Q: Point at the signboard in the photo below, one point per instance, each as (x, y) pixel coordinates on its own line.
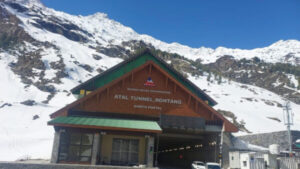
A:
(147, 102)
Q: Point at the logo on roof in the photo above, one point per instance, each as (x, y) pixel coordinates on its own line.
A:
(149, 82)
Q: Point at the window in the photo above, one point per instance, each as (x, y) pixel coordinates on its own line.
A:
(245, 163)
(76, 147)
(232, 158)
(125, 151)
(213, 167)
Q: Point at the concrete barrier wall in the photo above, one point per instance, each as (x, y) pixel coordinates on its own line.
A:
(8, 165)
(289, 163)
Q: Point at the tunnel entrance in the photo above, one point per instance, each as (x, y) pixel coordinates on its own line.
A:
(179, 150)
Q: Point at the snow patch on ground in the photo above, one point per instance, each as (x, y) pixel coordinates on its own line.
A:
(21, 136)
(249, 103)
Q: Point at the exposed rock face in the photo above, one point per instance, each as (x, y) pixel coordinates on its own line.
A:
(233, 118)
(35, 117)
(273, 77)
(5, 104)
(25, 63)
(28, 102)
(11, 34)
(60, 67)
(113, 51)
(67, 30)
(86, 67)
(29, 64)
(266, 139)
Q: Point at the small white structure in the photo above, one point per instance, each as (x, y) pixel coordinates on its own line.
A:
(252, 160)
(274, 149)
(234, 160)
(248, 156)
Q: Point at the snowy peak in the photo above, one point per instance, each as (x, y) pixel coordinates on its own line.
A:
(291, 44)
(27, 3)
(101, 29)
(97, 15)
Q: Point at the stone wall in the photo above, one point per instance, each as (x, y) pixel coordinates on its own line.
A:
(7, 165)
(266, 139)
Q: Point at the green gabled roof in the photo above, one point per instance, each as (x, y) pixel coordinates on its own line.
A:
(93, 122)
(134, 62)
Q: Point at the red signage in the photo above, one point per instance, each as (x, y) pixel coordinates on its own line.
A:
(149, 82)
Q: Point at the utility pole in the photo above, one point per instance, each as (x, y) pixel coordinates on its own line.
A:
(288, 121)
(221, 145)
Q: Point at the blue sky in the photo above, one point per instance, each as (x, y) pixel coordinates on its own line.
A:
(243, 24)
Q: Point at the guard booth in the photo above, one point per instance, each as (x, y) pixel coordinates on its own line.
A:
(139, 112)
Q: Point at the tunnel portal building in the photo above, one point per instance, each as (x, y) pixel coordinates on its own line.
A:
(139, 112)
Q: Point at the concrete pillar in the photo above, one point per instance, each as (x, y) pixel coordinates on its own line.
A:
(226, 146)
(149, 151)
(55, 147)
(95, 149)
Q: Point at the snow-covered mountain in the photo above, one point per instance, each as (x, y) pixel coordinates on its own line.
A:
(98, 28)
(44, 53)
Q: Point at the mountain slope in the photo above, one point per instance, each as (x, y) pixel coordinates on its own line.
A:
(44, 53)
